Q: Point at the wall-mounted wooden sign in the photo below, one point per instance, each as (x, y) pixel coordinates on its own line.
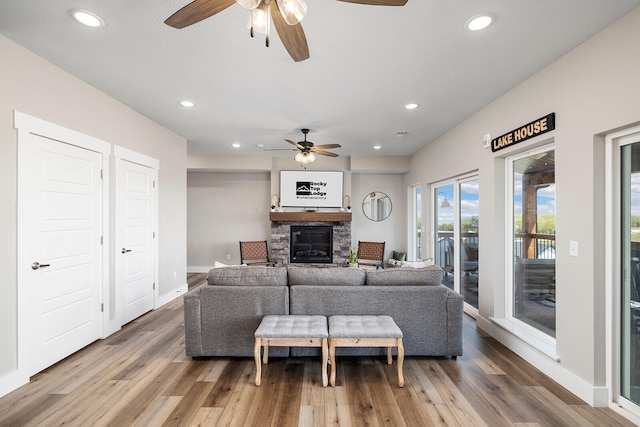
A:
(530, 130)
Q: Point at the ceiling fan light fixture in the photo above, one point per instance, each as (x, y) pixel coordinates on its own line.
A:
(292, 10)
(260, 19)
(304, 157)
(248, 4)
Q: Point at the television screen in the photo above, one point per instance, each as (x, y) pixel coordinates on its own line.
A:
(312, 189)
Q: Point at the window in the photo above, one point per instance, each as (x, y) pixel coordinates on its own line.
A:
(533, 243)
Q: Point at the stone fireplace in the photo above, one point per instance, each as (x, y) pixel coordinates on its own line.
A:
(281, 240)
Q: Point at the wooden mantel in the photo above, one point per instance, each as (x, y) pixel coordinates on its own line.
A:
(310, 216)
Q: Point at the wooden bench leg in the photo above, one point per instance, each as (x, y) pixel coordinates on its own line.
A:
(400, 362)
(325, 355)
(389, 356)
(332, 358)
(256, 356)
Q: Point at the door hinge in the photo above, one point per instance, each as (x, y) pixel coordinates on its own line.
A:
(154, 286)
(154, 234)
(101, 174)
(101, 240)
(154, 184)
(101, 307)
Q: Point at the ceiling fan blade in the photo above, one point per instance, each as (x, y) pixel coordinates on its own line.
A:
(328, 146)
(378, 2)
(323, 153)
(298, 146)
(292, 36)
(196, 11)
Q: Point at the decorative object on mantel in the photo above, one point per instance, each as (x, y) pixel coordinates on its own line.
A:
(346, 203)
(275, 202)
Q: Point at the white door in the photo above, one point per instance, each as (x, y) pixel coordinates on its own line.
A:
(60, 212)
(136, 249)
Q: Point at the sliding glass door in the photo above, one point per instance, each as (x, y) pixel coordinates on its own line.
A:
(630, 271)
(456, 242)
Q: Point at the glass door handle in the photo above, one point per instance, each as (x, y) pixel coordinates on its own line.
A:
(635, 304)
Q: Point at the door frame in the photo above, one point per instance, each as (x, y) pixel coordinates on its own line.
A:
(123, 154)
(613, 327)
(27, 125)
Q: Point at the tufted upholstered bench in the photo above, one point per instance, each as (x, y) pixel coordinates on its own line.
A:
(291, 331)
(365, 331)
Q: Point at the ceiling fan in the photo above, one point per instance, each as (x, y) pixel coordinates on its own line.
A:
(308, 150)
(286, 15)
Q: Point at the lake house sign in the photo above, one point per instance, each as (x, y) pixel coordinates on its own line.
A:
(530, 130)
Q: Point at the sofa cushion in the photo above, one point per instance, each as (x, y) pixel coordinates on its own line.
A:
(257, 275)
(431, 275)
(330, 276)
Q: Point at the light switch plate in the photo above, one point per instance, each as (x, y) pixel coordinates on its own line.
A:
(573, 247)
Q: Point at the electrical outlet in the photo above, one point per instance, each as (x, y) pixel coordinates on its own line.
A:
(228, 257)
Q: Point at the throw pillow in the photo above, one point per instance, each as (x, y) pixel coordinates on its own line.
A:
(399, 256)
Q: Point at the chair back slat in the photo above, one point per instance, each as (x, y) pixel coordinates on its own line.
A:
(371, 253)
(254, 252)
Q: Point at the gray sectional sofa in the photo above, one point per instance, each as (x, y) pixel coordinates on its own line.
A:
(222, 316)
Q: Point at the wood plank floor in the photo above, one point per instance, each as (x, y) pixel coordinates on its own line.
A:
(140, 376)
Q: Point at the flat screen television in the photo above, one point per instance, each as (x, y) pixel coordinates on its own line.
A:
(311, 189)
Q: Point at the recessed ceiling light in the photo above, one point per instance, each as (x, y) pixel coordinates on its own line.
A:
(377, 147)
(235, 145)
(87, 18)
(479, 22)
(411, 106)
(186, 103)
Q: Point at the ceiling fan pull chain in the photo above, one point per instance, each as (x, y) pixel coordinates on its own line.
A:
(267, 40)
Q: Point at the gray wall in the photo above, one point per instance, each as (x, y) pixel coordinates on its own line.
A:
(222, 209)
(226, 207)
(593, 90)
(33, 86)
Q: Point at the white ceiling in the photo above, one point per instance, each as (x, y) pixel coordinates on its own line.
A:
(366, 63)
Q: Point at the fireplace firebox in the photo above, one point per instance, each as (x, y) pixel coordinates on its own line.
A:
(311, 244)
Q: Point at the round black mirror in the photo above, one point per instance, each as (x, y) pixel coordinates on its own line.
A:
(376, 206)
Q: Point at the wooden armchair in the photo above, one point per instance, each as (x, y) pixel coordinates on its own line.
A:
(371, 253)
(255, 253)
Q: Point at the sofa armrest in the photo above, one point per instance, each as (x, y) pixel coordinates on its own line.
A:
(193, 324)
(455, 311)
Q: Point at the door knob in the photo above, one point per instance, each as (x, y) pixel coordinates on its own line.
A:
(124, 251)
(36, 265)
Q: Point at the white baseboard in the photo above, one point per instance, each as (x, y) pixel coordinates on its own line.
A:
(11, 382)
(593, 395)
(168, 297)
(198, 269)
